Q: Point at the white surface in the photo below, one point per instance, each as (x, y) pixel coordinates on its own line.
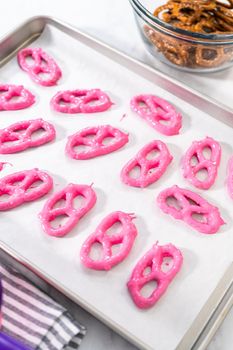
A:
(105, 24)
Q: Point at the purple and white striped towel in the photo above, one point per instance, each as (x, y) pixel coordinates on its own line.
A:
(34, 318)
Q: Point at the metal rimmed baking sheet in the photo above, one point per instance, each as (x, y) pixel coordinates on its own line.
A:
(86, 63)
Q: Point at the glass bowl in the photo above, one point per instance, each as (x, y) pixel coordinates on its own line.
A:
(182, 49)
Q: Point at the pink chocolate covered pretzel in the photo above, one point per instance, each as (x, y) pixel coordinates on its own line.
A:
(9, 92)
(18, 137)
(95, 144)
(150, 169)
(158, 113)
(125, 238)
(230, 177)
(186, 204)
(50, 212)
(17, 186)
(43, 70)
(153, 261)
(210, 164)
(81, 101)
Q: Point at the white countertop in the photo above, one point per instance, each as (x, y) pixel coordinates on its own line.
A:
(113, 22)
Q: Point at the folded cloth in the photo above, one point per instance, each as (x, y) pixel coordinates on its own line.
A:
(34, 318)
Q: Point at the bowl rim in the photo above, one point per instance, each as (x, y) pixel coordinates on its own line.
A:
(136, 4)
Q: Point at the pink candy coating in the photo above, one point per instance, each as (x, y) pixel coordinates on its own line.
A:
(81, 101)
(196, 152)
(155, 110)
(95, 144)
(9, 91)
(153, 260)
(2, 165)
(125, 237)
(43, 70)
(189, 204)
(18, 137)
(16, 186)
(230, 177)
(150, 169)
(69, 193)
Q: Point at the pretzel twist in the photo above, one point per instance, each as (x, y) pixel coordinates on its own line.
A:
(43, 70)
(198, 16)
(153, 261)
(17, 186)
(9, 91)
(188, 205)
(150, 169)
(196, 152)
(125, 238)
(95, 144)
(50, 212)
(154, 111)
(81, 101)
(18, 137)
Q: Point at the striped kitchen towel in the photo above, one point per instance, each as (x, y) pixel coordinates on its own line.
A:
(34, 318)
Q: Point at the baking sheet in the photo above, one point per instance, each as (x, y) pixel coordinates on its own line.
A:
(104, 293)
